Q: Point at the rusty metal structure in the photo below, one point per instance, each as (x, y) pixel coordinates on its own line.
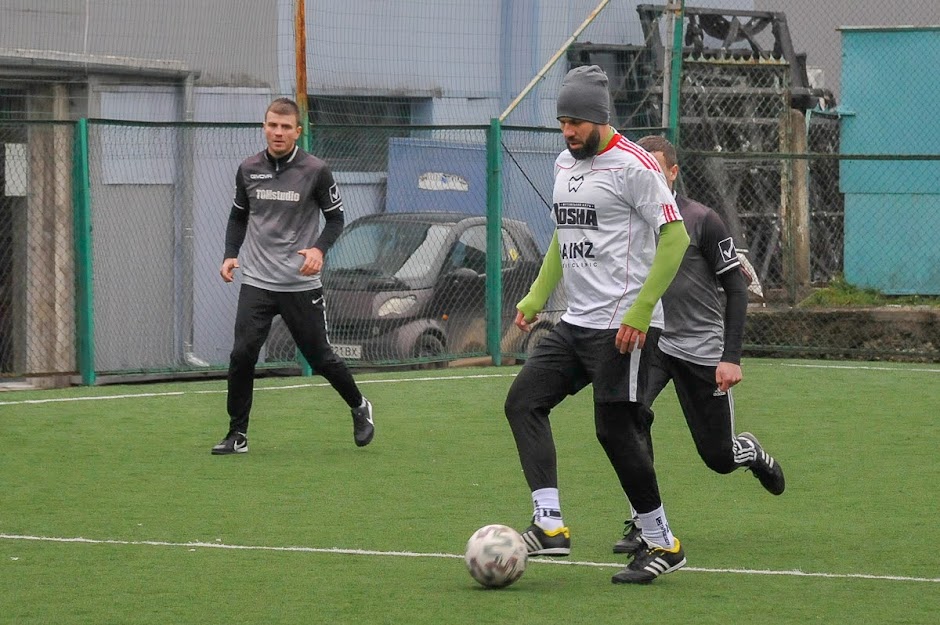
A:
(742, 102)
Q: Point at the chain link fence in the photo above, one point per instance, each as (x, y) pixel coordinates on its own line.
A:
(111, 233)
(407, 283)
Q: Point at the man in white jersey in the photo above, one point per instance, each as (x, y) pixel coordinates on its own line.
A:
(700, 346)
(610, 200)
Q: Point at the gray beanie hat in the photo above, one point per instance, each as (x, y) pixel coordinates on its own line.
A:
(584, 95)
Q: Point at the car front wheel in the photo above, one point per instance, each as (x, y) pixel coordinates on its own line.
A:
(429, 347)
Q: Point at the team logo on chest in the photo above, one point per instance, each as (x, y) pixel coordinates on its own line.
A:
(281, 196)
(574, 183)
(575, 215)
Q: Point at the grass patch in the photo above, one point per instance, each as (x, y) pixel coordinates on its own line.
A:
(307, 528)
(841, 294)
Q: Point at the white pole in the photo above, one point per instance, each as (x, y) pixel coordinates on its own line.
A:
(590, 18)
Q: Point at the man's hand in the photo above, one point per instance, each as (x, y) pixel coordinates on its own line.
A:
(524, 324)
(629, 338)
(727, 375)
(313, 261)
(229, 265)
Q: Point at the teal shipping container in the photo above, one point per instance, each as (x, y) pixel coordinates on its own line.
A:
(891, 106)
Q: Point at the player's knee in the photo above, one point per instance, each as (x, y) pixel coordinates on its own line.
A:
(515, 403)
(243, 356)
(722, 463)
(617, 425)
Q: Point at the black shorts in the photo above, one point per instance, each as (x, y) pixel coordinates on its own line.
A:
(588, 356)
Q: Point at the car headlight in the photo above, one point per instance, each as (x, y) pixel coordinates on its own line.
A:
(397, 305)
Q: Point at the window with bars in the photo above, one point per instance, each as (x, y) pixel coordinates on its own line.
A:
(352, 133)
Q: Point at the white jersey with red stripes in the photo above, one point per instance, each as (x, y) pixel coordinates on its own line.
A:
(608, 210)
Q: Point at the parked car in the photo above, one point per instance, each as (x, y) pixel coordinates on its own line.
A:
(411, 287)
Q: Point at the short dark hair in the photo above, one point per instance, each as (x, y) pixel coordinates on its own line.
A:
(284, 106)
(656, 143)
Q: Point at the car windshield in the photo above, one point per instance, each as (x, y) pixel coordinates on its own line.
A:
(405, 250)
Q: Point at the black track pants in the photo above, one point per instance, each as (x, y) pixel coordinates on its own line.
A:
(303, 313)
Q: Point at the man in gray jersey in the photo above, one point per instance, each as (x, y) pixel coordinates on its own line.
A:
(271, 236)
(699, 348)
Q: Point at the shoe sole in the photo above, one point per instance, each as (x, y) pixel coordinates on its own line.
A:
(555, 552)
(230, 452)
(626, 580)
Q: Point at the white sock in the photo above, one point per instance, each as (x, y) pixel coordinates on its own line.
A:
(547, 510)
(655, 528)
(363, 404)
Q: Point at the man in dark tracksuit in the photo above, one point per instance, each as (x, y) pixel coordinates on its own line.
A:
(272, 237)
(699, 349)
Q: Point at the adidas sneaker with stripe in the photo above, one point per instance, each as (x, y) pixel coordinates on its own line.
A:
(651, 562)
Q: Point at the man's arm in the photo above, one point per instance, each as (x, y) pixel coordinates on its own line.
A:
(235, 231)
(237, 226)
(728, 373)
(328, 199)
(234, 237)
(544, 284)
(735, 287)
(673, 241)
(717, 246)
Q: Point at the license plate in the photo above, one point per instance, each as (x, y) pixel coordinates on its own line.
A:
(352, 352)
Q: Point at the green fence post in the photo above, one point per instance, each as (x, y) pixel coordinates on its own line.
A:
(84, 309)
(494, 243)
(675, 75)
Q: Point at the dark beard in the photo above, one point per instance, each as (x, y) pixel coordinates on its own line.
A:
(591, 145)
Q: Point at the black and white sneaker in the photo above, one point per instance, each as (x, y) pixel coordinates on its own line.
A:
(540, 542)
(234, 443)
(363, 427)
(651, 562)
(761, 464)
(631, 542)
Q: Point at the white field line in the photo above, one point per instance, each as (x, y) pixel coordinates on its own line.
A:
(193, 546)
(287, 387)
(442, 378)
(857, 367)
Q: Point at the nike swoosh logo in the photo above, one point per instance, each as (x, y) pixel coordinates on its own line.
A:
(241, 445)
(316, 301)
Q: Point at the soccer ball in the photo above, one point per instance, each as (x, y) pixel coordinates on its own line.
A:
(496, 556)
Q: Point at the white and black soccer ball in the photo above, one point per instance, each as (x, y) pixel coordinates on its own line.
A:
(496, 556)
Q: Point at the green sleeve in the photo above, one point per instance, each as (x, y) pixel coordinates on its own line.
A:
(545, 282)
(673, 240)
